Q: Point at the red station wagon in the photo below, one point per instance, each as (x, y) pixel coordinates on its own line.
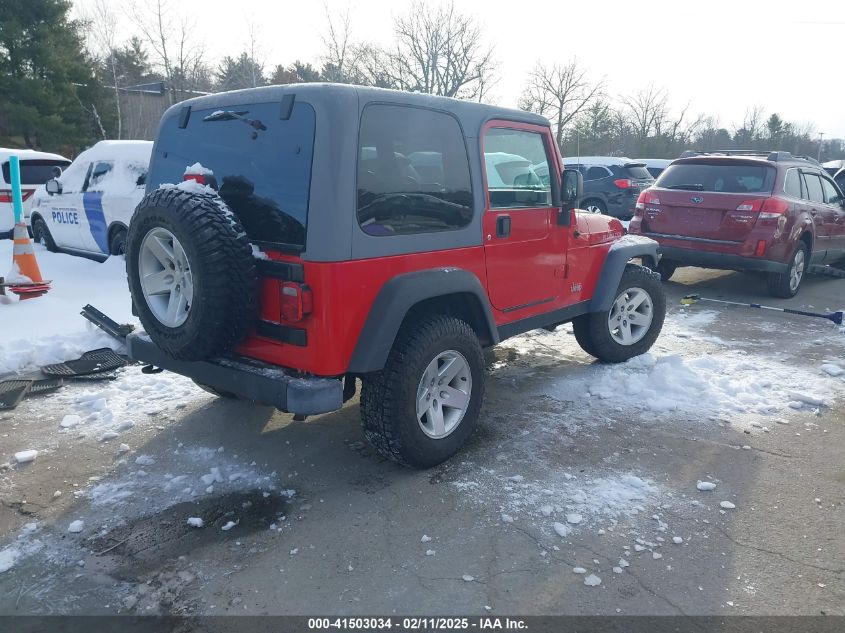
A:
(773, 212)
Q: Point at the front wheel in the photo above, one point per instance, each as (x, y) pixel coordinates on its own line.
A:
(594, 206)
(41, 235)
(421, 408)
(117, 243)
(786, 284)
(631, 325)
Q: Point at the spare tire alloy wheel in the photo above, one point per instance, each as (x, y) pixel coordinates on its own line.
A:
(630, 317)
(443, 394)
(165, 275)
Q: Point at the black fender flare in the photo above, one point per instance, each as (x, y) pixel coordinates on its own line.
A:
(620, 253)
(398, 296)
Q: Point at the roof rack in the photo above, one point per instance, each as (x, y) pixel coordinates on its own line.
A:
(774, 156)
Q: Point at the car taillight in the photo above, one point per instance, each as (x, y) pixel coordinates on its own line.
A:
(646, 197)
(6, 195)
(773, 208)
(625, 183)
(761, 248)
(297, 301)
(200, 178)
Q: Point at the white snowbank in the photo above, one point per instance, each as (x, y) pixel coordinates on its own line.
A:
(49, 329)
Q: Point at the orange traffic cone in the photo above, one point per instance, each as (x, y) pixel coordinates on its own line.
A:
(23, 259)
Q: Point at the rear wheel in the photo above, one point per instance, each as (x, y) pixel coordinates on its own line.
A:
(41, 235)
(631, 325)
(117, 243)
(594, 205)
(421, 408)
(786, 284)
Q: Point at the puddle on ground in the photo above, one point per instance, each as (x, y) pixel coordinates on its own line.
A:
(146, 543)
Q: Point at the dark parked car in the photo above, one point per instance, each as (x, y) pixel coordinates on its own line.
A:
(611, 184)
(772, 212)
(655, 166)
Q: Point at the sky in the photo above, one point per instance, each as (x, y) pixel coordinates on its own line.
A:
(722, 57)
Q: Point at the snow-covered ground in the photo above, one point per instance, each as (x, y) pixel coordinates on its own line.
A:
(49, 329)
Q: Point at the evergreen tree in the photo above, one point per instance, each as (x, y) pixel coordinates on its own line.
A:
(51, 97)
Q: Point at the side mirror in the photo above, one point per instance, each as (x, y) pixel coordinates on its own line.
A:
(571, 190)
(53, 186)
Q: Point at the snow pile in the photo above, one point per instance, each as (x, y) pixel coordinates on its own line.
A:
(728, 382)
(563, 501)
(49, 329)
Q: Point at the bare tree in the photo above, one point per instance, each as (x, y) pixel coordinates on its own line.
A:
(337, 42)
(256, 67)
(101, 21)
(648, 111)
(169, 37)
(440, 51)
(560, 92)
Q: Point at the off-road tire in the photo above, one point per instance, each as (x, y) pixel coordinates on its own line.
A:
(778, 283)
(117, 242)
(388, 397)
(666, 268)
(41, 234)
(593, 334)
(222, 265)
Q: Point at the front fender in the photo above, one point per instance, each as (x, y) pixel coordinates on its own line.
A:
(620, 253)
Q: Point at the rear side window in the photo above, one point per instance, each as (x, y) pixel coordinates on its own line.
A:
(596, 173)
(721, 178)
(413, 172)
(792, 183)
(814, 188)
(831, 195)
(515, 162)
(637, 172)
(259, 163)
(34, 172)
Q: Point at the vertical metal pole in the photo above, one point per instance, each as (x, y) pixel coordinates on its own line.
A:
(17, 198)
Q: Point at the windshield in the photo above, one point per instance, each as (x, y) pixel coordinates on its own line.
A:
(260, 164)
(727, 178)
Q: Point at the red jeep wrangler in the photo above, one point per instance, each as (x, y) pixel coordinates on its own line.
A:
(296, 238)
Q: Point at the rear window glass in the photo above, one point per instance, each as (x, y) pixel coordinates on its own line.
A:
(259, 163)
(413, 172)
(34, 172)
(792, 183)
(637, 172)
(735, 178)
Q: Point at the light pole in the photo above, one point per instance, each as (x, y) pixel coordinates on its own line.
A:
(821, 136)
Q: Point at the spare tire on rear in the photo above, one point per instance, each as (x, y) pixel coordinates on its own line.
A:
(191, 273)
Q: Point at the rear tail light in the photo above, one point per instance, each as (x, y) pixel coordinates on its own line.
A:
(625, 183)
(200, 178)
(773, 208)
(297, 301)
(6, 195)
(646, 197)
(761, 248)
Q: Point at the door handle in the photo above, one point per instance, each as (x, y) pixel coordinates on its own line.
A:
(503, 226)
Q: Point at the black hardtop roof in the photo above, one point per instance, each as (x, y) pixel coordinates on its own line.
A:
(470, 113)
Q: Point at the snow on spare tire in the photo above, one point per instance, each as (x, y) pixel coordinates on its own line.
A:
(191, 272)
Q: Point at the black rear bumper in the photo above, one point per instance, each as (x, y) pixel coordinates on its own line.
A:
(722, 261)
(259, 382)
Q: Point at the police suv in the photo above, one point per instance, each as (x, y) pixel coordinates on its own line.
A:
(86, 210)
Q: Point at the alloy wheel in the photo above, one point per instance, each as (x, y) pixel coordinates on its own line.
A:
(166, 278)
(443, 394)
(630, 317)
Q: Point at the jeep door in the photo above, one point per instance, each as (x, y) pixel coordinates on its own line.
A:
(523, 246)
